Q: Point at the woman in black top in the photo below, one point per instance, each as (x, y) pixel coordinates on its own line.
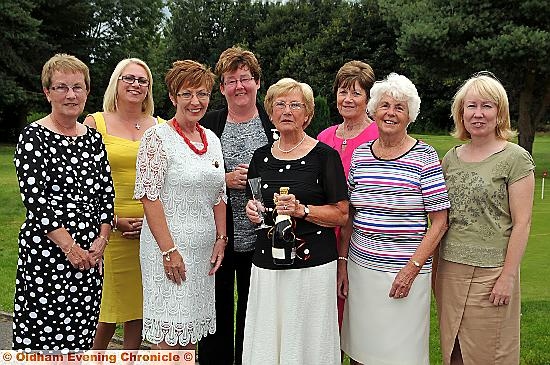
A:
(292, 316)
(242, 127)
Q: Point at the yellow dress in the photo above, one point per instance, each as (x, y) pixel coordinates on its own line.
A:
(122, 298)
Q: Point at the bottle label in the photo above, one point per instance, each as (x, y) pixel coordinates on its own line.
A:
(278, 253)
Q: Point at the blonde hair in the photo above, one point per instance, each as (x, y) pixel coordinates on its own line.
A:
(286, 86)
(188, 73)
(486, 86)
(234, 58)
(111, 93)
(63, 62)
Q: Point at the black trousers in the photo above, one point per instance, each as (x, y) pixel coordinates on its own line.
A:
(217, 349)
(243, 266)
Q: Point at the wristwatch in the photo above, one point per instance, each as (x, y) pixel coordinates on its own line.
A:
(306, 211)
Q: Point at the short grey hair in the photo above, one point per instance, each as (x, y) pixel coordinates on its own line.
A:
(398, 87)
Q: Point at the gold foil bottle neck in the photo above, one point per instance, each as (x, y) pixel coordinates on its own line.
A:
(283, 190)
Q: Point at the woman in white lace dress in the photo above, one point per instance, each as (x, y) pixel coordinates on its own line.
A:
(180, 180)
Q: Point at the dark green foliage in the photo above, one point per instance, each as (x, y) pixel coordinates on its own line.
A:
(447, 41)
(21, 43)
(321, 118)
(99, 32)
(436, 43)
(121, 29)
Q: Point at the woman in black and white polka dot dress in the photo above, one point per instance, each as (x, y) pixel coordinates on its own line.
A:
(66, 186)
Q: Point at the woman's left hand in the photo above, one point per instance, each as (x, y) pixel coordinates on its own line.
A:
(97, 248)
(217, 255)
(502, 291)
(287, 204)
(130, 227)
(403, 281)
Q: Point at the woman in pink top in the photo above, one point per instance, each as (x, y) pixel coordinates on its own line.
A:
(352, 86)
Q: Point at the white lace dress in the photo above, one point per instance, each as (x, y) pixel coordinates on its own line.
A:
(188, 185)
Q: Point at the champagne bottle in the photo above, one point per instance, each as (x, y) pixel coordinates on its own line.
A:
(283, 240)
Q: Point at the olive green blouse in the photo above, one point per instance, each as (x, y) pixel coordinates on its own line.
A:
(480, 222)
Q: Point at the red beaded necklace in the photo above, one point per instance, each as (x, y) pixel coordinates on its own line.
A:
(189, 143)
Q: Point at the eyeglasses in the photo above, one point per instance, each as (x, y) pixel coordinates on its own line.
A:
(243, 81)
(64, 89)
(294, 105)
(130, 79)
(187, 95)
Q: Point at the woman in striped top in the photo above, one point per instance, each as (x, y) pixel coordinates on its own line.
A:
(395, 184)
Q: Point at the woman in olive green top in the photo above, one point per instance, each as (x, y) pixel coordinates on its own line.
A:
(490, 183)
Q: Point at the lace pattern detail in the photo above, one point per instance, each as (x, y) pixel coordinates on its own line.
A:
(151, 166)
(188, 186)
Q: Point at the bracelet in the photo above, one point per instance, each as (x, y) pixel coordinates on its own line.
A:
(70, 249)
(416, 263)
(222, 237)
(104, 239)
(342, 258)
(166, 254)
(115, 223)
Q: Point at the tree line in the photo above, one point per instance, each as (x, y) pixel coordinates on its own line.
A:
(436, 43)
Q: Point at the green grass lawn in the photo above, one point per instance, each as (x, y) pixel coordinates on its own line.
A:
(535, 273)
(12, 214)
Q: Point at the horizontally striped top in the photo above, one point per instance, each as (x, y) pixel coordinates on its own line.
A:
(391, 200)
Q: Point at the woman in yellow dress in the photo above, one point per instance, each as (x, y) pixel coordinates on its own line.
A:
(128, 113)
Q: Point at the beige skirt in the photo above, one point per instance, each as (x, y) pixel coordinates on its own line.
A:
(487, 334)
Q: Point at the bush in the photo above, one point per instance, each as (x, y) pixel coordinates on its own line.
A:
(34, 116)
(321, 118)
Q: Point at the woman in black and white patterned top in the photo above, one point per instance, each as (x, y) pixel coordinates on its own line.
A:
(66, 186)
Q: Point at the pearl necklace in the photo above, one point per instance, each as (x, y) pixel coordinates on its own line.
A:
(293, 148)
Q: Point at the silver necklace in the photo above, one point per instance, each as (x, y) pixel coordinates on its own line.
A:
(350, 128)
(293, 148)
(70, 138)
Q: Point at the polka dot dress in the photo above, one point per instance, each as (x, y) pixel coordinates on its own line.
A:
(64, 182)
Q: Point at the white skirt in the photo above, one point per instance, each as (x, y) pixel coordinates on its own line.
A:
(292, 317)
(381, 330)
